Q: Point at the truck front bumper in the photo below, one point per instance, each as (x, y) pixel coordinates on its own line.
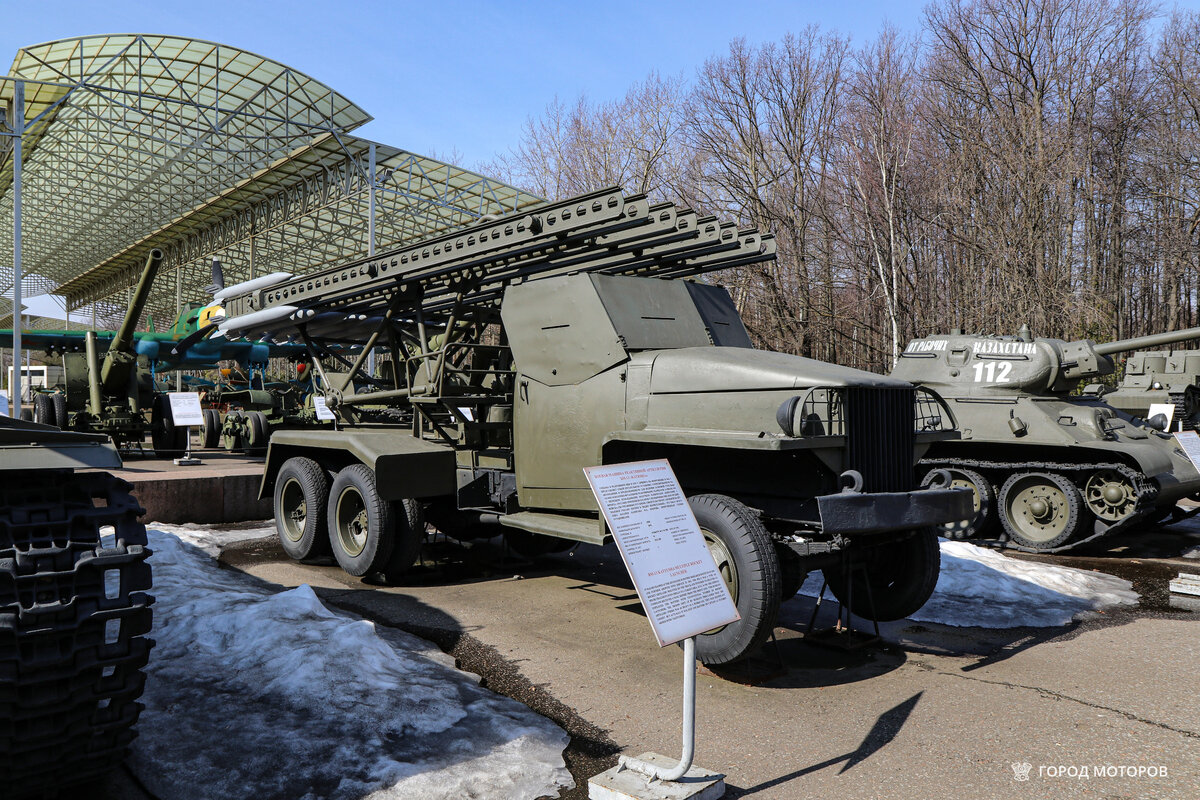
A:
(856, 514)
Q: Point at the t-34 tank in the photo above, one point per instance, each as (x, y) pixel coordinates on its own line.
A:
(1170, 377)
(1050, 471)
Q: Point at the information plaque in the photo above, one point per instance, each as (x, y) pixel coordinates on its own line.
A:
(1190, 442)
(185, 409)
(322, 410)
(674, 574)
(1166, 409)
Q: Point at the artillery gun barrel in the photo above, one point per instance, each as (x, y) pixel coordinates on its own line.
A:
(1142, 342)
(119, 360)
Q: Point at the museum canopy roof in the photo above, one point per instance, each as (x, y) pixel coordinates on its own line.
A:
(136, 141)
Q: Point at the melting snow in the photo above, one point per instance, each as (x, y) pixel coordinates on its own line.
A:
(987, 589)
(253, 692)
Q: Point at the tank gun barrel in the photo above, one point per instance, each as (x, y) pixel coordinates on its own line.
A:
(1143, 342)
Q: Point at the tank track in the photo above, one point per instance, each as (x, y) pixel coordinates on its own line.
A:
(1179, 400)
(74, 615)
(1145, 489)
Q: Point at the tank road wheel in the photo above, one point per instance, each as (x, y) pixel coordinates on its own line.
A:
(361, 529)
(74, 615)
(260, 433)
(169, 441)
(1040, 510)
(900, 577)
(1110, 495)
(746, 559)
(212, 428)
(43, 409)
(409, 520)
(60, 409)
(301, 499)
(984, 504)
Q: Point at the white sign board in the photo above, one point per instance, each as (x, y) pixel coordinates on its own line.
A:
(1166, 409)
(185, 409)
(674, 574)
(1190, 443)
(322, 410)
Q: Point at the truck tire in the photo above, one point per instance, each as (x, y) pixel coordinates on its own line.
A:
(361, 529)
(60, 410)
(746, 559)
(43, 409)
(301, 513)
(212, 428)
(74, 614)
(408, 518)
(169, 440)
(260, 432)
(901, 576)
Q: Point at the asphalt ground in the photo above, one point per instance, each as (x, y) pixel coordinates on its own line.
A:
(931, 712)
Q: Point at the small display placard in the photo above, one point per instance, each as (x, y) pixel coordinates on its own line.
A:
(674, 573)
(185, 409)
(322, 409)
(1190, 442)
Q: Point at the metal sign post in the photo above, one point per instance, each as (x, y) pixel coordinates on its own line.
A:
(683, 595)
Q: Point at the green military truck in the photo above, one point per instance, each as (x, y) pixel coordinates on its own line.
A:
(522, 350)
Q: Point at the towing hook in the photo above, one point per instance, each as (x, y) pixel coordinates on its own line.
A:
(938, 479)
(851, 481)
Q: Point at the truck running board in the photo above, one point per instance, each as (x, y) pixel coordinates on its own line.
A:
(579, 529)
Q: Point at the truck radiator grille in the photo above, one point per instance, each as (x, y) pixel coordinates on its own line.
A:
(880, 436)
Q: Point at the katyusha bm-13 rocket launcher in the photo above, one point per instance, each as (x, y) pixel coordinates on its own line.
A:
(522, 349)
(1049, 470)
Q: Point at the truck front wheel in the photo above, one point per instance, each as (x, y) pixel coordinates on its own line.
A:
(301, 498)
(888, 581)
(361, 529)
(746, 558)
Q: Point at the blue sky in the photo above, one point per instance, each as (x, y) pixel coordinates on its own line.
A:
(458, 77)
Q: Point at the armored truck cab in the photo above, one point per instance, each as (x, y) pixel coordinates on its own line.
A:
(553, 355)
(1053, 470)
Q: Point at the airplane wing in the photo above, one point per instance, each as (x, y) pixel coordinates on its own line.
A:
(54, 341)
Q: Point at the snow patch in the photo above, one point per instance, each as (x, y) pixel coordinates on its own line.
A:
(983, 588)
(255, 692)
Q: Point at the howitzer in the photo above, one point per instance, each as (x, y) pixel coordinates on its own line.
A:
(1051, 470)
(520, 350)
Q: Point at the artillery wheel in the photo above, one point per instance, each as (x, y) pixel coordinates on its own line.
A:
(409, 519)
(169, 440)
(1041, 510)
(231, 432)
(212, 428)
(894, 579)
(260, 433)
(60, 409)
(746, 558)
(301, 499)
(71, 673)
(361, 529)
(1110, 495)
(983, 503)
(43, 409)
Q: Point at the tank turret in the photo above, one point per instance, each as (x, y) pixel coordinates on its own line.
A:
(1049, 471)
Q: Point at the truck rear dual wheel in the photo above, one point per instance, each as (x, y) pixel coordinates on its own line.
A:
(888, 581)
(301, 509)
(212, 428)
(367, 533)
(746, 558)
